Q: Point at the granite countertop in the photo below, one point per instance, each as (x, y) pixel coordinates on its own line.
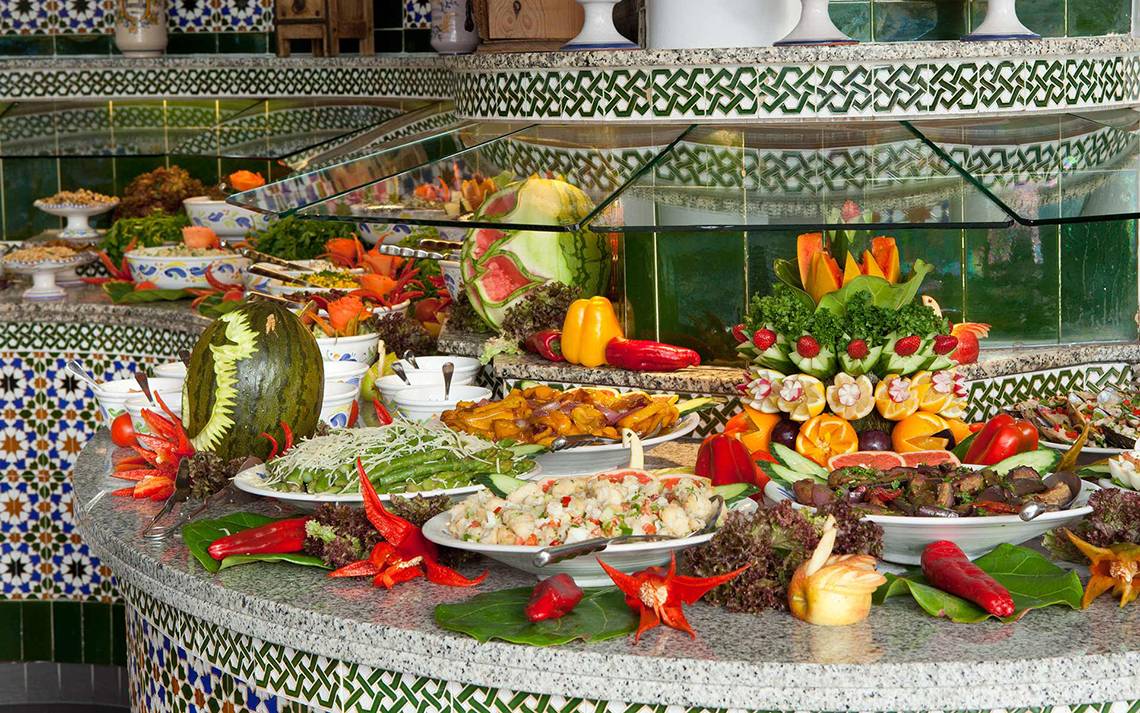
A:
(90, 304)
(220, 61)
(899, 659)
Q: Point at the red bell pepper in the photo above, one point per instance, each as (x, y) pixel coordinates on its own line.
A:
(725, 460)
(553, 598)
(547, 344)
(1001, 437)
(279, 537)
(645, 355)
(945, 566)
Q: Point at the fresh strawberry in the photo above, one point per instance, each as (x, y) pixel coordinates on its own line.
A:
(739, 334)
(968, 347)
(908, 345)
(763, 339)
(857, 349)
(945, 343)
(807, 347)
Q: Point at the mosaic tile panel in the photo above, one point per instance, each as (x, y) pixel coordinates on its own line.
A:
(80, 17)
(417, 14)
(46, 417)
(169, 672)
(894, 88)
(988, 396)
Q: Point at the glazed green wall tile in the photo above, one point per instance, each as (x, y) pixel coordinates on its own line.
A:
(83, 44)
(700, 286)
(37, 633)
(853, 19)
(944, 251)
(1045, 17)
(26, 179)
(1012, 283)
(11, 628)
(96, 633)
(920, 20)
(639, 285)
(62, 631)
(1098, 281)
(67, 632)
(1100, 17)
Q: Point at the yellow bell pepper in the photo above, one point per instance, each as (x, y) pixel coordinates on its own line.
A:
(589, 327)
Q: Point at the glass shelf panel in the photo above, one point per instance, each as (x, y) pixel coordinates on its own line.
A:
(288, 195)
(800, 176)
(600, 159)
(1045, 170)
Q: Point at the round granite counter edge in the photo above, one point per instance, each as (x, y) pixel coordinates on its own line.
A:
(171, 316)
(582, 673)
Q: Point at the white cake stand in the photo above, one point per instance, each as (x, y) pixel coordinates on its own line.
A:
(77, 215)
(44, 287)
(598, 31)
(815, 27)
(1001, 23)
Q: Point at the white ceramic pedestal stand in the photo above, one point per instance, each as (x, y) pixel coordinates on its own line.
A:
(44, 287)
(815, 27)
(78, 226)
(598, 31)
(1001, 23)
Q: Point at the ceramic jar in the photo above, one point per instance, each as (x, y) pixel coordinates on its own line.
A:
(140, 27)
(677, 24)
(453, 27)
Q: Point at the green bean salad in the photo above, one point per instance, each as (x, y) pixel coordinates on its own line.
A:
(402, 457)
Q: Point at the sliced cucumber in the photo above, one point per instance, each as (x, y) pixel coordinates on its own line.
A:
(501, 485)
(735, 491)
(1042, 460)
(1095, 470)
(698, 404)
(963, 447)
(798, 463)
(785, 475)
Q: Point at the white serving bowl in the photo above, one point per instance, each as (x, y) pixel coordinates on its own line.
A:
(392, 386)
(183, 272)
(228, 221)
(364, 348)
(171, 370)
(344, 372)
(424, 402)
(337, 405)
(112, 395)
(585, 570)
(452, 277)
(904, 538)
(466, 368)
(136, 403)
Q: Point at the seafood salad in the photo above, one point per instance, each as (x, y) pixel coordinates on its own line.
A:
(557, 511)
(1114, 416)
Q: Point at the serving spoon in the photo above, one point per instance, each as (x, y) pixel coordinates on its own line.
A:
(77, 369)
(144, 384)
(398, 370)
(559, 553)
(448, 372)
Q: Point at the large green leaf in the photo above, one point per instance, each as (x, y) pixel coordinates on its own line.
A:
(125, 293)
(788, 273)
(883, 293)
(602, 614)
(290, 557)
(199, 534)
(1032, 580)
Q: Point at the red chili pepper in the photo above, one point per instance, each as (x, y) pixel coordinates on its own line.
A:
(947, 567)
(361, 568)
(725, 460)
(547, 344)
(657, 595)
(884, 495)
(998, 508)
(644, 355)
(279, 537)
(382, 414)
(405, 554)
(1000, 438)
(553, 598)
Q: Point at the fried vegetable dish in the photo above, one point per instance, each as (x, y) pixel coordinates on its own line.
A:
(939, 490)
(1114, 417)
(540, 414)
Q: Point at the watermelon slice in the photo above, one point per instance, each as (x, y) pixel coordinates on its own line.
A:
(502, 278)
(879, 460)
(918, 458)
(484, 239)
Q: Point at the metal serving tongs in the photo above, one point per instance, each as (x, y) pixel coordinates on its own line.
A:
(429, 249)
(258, 256)
(155, 531)
(278, 275)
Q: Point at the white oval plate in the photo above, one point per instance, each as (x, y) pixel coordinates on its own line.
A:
(592, 459)
(1087, 450)
(904, 538)
(252, 481)
(585, 570)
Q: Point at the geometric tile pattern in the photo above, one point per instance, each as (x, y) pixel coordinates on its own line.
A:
(261, 79)
(897, 88)
(417, 14)
(97, 17)
(170, 672)
(988, 396)
(46, 417)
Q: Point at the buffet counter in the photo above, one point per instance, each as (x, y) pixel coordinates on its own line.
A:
(279, 637)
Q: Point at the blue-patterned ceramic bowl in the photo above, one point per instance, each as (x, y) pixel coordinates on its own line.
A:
(182, 272)
(228, 221)
(337, 406)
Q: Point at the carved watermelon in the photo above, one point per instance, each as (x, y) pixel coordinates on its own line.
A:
(252, 368)
(500, 266)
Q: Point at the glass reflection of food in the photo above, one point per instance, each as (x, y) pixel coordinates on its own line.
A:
(540, 414)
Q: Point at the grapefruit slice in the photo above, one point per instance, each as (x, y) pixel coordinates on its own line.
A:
(918, 458)
(879, 460)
